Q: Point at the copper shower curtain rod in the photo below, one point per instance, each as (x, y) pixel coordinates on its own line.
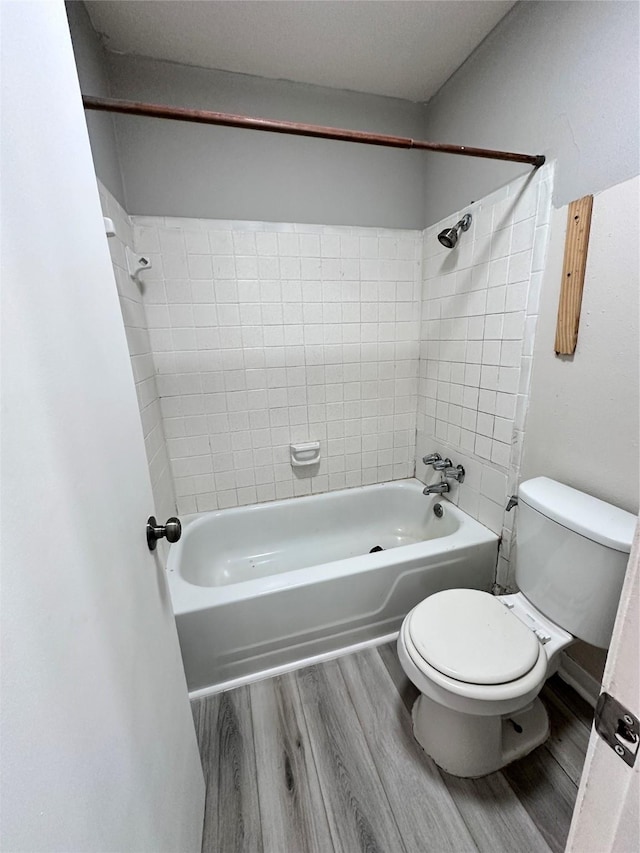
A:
(137, 108)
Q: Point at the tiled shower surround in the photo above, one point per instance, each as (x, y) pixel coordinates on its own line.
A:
(479, 313)
(266, 334)
(135, 325)
(381, 344)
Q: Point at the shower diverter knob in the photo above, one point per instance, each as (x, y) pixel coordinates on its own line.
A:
(172, 531)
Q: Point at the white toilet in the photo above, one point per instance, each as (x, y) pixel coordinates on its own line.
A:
(480, 661)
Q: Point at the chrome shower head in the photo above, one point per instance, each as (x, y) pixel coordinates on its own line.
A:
(449, 237)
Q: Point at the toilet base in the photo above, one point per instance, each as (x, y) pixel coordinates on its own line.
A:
(471, 746)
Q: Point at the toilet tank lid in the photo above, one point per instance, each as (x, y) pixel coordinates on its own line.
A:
(590, 517)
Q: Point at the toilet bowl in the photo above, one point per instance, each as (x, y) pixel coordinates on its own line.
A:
(480, 661)
(479, 665)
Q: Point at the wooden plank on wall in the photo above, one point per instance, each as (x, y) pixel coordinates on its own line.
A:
(573, 270)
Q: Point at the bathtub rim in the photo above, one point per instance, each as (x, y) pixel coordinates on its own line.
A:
(187, 597)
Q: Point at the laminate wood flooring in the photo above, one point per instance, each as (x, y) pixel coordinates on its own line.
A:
(323, 760)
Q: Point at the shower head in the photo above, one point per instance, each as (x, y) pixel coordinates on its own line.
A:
(449, 237)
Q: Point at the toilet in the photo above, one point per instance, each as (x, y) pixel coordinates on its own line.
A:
(480, 661)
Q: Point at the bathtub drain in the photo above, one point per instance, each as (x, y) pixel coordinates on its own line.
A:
(376, 548)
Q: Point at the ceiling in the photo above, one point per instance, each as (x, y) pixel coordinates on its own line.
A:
(401, 48)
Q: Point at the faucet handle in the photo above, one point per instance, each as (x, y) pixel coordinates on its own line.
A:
(441, 464)
(456, 473)
(431, 458)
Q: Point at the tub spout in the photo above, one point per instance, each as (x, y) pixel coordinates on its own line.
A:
(436, 489)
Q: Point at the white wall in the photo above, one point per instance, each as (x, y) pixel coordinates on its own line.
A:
(557, 78)
(92, 72)
(266, 334)
(189, 170)
(551, 78)
(583, 426)
(176, 169)
(137, 332)
(479, 314)
(98, 746)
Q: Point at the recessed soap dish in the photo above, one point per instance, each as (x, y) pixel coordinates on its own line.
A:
(306, 453)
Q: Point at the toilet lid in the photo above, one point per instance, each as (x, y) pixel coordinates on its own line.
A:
(470, 636)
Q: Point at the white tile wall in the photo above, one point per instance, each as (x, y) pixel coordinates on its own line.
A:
(381, 344)
(479, 313)
(135, 325)
(265, 334)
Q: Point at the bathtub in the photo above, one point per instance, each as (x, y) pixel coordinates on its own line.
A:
(258, 589)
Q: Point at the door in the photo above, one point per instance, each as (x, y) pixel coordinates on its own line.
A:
(606, 817)
(98, 746)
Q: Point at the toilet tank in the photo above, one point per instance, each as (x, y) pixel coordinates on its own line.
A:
(572, 552)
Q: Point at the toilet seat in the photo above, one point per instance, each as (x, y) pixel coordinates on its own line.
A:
(483, 699)
(469, 636)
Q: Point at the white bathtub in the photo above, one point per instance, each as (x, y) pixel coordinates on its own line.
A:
(261, 587)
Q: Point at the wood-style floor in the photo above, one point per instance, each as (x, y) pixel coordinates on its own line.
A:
(323, 759)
